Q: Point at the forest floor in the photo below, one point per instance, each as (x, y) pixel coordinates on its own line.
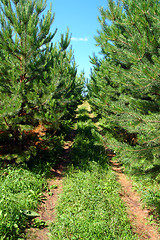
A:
(138, 215)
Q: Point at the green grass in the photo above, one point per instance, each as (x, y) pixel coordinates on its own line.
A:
(19, 195)
(90, 206)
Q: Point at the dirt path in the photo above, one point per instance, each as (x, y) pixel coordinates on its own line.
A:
(137, 215)
(47, 209)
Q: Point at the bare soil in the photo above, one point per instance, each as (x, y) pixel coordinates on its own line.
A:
(138, 215)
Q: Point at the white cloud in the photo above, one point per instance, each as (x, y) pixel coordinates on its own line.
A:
(79, 39)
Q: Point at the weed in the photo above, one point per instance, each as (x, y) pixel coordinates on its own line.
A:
(38, 223)
(54, 186)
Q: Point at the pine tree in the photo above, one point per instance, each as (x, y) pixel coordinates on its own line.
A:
(22, 36)
(125, 83)
(37, 79)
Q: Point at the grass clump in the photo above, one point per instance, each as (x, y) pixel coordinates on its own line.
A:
(20, 193)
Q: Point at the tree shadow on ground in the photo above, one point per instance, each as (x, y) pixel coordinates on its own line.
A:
(88, 146)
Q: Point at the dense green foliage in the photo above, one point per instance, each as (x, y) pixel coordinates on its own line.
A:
(40, 92)
(39, 87)
(90, 206)
(125, 83)
(19, 196)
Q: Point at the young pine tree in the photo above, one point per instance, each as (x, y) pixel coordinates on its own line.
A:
(125, 83)
(37, 79)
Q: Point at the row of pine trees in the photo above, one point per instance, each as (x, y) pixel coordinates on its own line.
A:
(125, 82)
(39, 86)
(40, 89)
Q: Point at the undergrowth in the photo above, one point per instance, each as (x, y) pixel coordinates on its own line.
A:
(19, 197)
(90, 206)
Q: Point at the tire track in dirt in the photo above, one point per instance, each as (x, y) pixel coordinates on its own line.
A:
(47, 208)
(136, 213)
(47, 211)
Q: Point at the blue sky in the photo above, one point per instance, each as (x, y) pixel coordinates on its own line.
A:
(81, 17)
